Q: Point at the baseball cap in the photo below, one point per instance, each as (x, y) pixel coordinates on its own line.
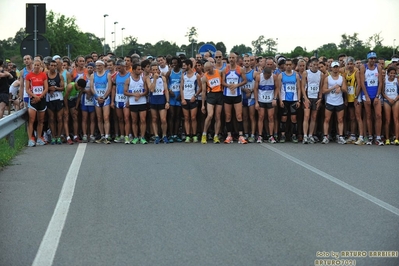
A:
(91, 64)
(371, 55)
(335, 64)
(56, 57)
(395, 59)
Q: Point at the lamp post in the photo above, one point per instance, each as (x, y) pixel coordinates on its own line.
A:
(113, 42)
(116, 22)
(276, 45)
(105, 15)
(122, 40)
(393, 48)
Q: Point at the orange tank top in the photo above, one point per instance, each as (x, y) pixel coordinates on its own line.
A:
(214, 82)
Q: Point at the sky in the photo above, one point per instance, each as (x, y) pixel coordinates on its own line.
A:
(306, 23)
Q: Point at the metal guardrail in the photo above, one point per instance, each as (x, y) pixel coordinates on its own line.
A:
(10, 123)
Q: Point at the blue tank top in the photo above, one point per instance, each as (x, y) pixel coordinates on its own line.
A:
(174, 82)
(250, 83)
(120, 87)
(288, 87)
(100, 84)
(371, 81)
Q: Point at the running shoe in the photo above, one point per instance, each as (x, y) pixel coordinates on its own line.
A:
(69, 141)
(165, 139)
(229, 139)
(272, 140)
(53, 141)
(77, 139)
(396, 142)
(370, 141)
(40, 142)
(294, 139)
(92, 139)
(101, 140)
(135, 140)
(143, 141)
(118, 139)
(59, 141)
(107, 141)
(359, 141)
(31, 143)
(127, 140)
(157, 140)
(341, 140)
(203, 139)
(325, 140)
(251, 139)
(282, 139)
(176, 138)
(387, 142)
(305, 140)
(311, 140)
(195, 139)
(170, 139)
(259, 140)
(379, 142)
(188, 140)
(316, 139)
(84, 139)
(216, 139)
(242, 140)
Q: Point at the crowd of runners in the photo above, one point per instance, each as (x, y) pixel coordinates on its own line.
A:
(243, 98)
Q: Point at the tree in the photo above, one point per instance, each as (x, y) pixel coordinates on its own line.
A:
(221, 47)
(192, 34)
(271, 45)
(257, 44)
(240, 49)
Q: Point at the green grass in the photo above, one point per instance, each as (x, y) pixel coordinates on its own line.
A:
(6, 152)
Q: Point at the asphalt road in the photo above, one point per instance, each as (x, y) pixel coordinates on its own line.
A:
(194, 204)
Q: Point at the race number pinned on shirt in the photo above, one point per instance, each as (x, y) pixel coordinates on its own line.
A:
(119, 97)
(37, 90)
(351, 90)
(313, 90)
(290, 88)
(89, 101)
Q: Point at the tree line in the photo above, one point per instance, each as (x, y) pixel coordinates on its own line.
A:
(64, 36)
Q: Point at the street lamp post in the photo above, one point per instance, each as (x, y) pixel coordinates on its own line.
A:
(122, 40)
(113, 42)
(116, 22)
(105, 15)
(393, 48)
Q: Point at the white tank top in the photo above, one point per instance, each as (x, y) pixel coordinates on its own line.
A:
(333, 98)
(391, 88)
(313, 86)
(136, 87)
(266, 89)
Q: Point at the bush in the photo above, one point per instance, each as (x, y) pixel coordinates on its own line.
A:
(6, 152)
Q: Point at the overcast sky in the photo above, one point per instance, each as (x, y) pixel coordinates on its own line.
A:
(306, 23)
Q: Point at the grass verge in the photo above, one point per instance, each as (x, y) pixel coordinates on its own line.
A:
(6, 152)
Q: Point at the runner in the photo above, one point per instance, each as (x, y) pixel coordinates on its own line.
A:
(233, 79)
(55, 102)
(266, 97)
(101, 83)
(119, 102)
(137, 91)
(174, 113)
(25, 71)
(213, 95)
(371, 82)
(248, 101)
(391, 107)
(159, 101)
(312, 80)
(189, 92)
(36, 87)
(354, 101)
(290, 91)
(333, 88)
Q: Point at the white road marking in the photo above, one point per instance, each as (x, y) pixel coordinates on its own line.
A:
(48, 246)
(335, 180)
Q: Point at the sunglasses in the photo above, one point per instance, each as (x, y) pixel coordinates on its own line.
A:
(218, 57)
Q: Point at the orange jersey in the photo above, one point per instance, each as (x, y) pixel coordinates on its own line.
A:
(214, 82)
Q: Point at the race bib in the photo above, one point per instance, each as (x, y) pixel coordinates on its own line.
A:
(89, 101)
(175, 87)
(120, 97)
(100, 93)
(372, 82)
(290, 88)
(214, 82)
(351, 90)
(55, 96)
(158, 91)
(313, 90)
(37, 90)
